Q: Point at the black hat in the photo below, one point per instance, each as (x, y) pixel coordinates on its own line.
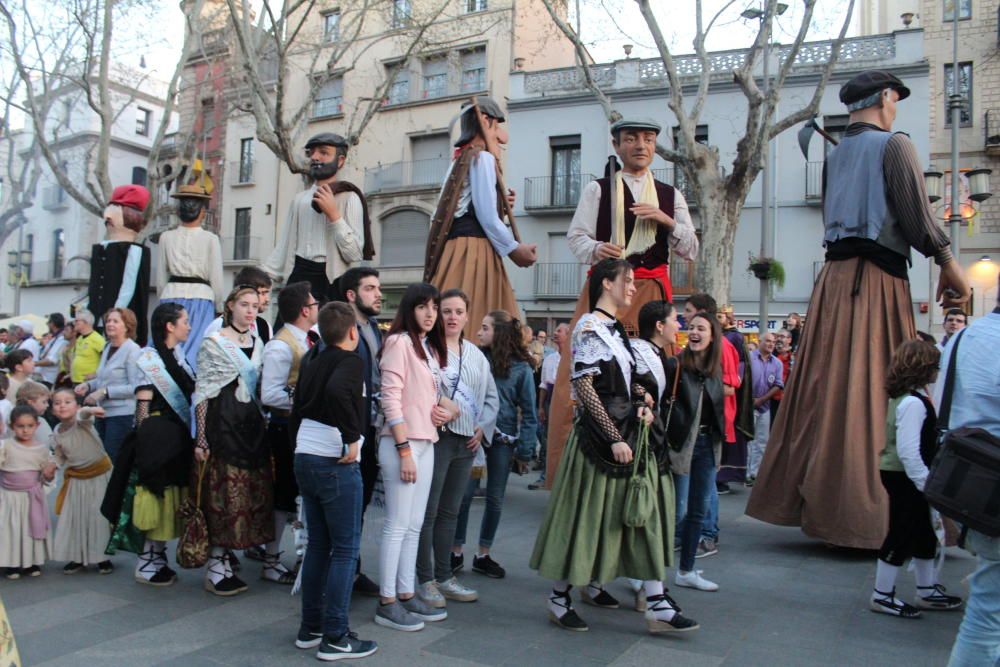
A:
(327, 139)
(635, 124)
(862, 90)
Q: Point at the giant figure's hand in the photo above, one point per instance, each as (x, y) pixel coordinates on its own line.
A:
(953, 290)
(524, 255)
(323, 197)
(608, 251)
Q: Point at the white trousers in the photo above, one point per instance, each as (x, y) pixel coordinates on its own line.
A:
(756, 447)
(405, 506)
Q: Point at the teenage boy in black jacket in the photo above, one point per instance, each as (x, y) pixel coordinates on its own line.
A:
(327, 421)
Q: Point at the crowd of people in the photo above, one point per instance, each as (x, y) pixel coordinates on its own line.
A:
(224, 434)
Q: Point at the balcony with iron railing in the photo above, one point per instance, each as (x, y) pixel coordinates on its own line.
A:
(242, 250)
(54, 198)
(554, 194)
(559, 280)
(416, 175)
(241, 173)
(814, 182)
(676, 177)
(992, 132)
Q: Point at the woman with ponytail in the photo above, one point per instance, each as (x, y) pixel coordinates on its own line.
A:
(151, 474)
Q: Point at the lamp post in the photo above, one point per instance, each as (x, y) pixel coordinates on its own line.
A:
(766, 249)
(955, 104)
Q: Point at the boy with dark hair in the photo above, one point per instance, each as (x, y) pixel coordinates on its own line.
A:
(328, 408)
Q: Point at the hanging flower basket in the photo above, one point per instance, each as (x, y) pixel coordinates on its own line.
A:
(767, 268)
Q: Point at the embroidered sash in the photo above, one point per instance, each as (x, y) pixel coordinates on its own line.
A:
(152, 367)
(86, 472)
(245, 367)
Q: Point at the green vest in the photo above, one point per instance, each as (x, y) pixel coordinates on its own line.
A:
(889, 459)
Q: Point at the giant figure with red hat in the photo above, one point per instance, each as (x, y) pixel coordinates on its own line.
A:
(631, 215)
(821, 466)
(119, 267)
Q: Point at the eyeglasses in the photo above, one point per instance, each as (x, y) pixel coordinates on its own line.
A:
(310, 305)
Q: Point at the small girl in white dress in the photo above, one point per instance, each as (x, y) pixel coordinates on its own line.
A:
(82, 533)
(26, 468)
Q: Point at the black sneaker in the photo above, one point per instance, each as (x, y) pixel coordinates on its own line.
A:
(722, 488)
(938, 600)
(457, 563)
(12, 572)
(307, 638)
(488, 566)
(345, 647)
(33, 571)
(72, 567)
(106, 567)
(365, 586)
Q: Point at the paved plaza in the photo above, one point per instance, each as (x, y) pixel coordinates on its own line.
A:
(784, 600)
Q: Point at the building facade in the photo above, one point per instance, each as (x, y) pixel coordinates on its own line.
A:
(979, 130)
(560, 141)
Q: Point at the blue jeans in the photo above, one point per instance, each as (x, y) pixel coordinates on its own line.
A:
(701, 481)
(498, 459)
(112, 431)
(978, 640)
(710, 526)
(331, 496)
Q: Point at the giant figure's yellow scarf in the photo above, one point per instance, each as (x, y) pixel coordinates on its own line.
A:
(644, 232)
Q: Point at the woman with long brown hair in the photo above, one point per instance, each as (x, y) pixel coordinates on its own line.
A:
(584, 539)
(502, 341)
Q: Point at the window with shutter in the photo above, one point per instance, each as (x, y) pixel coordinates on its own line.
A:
(404, 237)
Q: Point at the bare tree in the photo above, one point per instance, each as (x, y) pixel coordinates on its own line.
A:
(66, 50)
(720, 195)
(284, 46)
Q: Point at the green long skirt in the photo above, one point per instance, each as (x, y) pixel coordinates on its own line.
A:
(583, 537)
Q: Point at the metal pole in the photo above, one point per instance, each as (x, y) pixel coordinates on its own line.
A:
(765, 190)
(955, 103)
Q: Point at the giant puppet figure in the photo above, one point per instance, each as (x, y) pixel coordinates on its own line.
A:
(327, 229)
(119, 266)
(626, 214)
(821, 466)
(469, 238)
(189, 266)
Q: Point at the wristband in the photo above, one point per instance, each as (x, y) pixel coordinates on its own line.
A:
(403, 453)
(400, 445)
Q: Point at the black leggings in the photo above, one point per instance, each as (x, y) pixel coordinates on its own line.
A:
(910, 532)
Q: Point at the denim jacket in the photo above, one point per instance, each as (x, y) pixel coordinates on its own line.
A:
(517, 390)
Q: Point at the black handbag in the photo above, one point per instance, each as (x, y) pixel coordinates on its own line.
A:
(964, 480)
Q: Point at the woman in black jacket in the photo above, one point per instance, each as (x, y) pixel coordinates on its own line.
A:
(695, 432)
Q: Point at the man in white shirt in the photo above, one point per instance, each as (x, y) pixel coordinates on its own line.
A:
(627, 214)
(282, 357)
(26, 333)
(550, 365)
(327, 229)
(48, 359)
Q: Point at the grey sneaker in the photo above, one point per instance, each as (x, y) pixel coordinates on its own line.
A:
(423, 611)
(428, 592)
(453, 590)
(706, 547)
(396, 616)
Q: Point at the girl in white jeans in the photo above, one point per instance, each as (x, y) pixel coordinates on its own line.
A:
(411, 365)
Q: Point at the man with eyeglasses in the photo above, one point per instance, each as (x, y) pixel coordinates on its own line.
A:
(282, 358)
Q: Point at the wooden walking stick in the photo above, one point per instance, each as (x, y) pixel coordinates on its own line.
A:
(494, 147)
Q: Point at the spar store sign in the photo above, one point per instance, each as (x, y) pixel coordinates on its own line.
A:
(753, 324)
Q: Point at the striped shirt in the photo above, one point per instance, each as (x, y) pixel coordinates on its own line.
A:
(475, 392)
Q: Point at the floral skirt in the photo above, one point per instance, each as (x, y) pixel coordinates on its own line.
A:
(584, 538)
(238, 504)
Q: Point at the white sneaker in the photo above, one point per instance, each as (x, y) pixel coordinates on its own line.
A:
(428, 592)
(694, 579)
(453, 590)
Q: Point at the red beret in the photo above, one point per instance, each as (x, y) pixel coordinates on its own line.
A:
(133, 196)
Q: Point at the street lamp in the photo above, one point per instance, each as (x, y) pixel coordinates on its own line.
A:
(766, 249)
(934, 182)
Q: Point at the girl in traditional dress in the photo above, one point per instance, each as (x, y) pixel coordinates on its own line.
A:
(910, 445)
(151, 474)
(26, 467)
(583, 539)
(237, 491)
(82, 533)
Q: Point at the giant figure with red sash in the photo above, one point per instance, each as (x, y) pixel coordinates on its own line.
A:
(627, 214)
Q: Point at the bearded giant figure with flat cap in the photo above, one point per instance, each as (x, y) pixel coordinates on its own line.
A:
(119, 266)
(821, 466)
(327, 229)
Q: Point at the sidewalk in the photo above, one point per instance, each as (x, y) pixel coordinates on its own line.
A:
(785, 600)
